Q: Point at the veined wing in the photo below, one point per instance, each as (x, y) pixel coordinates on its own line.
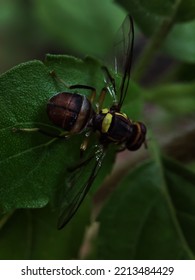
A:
(120, 59)
(78, 185)
(123, 49)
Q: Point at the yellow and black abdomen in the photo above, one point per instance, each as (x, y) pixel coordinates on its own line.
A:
(70, 111)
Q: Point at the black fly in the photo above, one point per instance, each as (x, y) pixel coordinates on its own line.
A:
(75, 113)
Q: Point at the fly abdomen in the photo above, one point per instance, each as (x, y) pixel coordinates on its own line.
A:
(72, 112)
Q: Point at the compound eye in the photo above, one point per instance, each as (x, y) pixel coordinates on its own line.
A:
(138, 137)
(143, 128)
(135, 146)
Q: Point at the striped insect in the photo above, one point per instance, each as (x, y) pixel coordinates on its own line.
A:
(75, 114)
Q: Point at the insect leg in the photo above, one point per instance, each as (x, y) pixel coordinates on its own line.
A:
(53, 74)
(99, 104)
(77, 86)
(101, 100)
(35, 129)
(110, 84)
(108, 77)
(84, 144)
(63, 134)
(79, 164)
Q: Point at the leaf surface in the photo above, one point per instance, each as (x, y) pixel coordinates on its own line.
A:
(150, 216)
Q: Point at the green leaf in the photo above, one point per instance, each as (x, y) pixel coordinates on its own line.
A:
(32, 234)
(78, 26)
(177, 98)
(151, 215)
(181, 41)
(7, 12)
(152, 16)
(149, 14)
(33, 166)
(133, 105)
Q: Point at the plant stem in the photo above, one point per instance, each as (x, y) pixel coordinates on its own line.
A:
(154, 44)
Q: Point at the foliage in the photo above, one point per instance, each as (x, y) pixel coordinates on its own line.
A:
(149, 211)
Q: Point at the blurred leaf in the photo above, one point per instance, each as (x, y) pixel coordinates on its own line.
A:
(181, 41)
(79, 26)
(185, 72)
(133, 104)
(150, 13)
(7, 12)
(191, 166)
(151, 16)
(151, 215)
(186, 11)
(32, 234)
(177, 98)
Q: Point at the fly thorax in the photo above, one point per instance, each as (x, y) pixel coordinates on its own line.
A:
(100, 120)
(113, 126)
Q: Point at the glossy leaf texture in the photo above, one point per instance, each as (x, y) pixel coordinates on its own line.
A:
(33, 166)
(151, 215)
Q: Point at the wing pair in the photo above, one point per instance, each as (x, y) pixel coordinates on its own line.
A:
(82, 177)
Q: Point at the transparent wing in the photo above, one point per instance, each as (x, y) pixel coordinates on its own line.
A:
(78, 185)
(110, 84)
(120, 59)
(123, 54)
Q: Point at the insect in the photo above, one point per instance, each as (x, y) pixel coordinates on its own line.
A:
(75, 113)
